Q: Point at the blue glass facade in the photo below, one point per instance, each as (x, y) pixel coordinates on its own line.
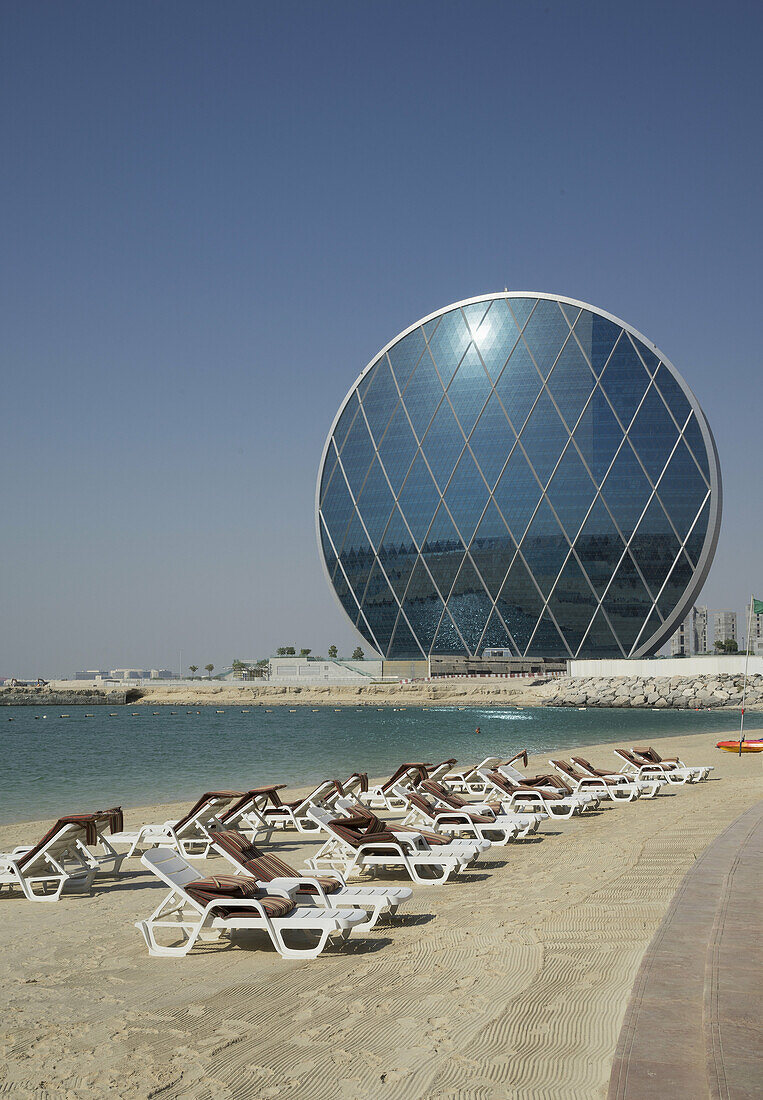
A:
(520, 471)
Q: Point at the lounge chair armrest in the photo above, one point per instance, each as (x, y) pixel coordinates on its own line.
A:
(298, 880)
(452, 817)
(385, 845)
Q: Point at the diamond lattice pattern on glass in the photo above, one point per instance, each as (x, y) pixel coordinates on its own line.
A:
(518, 472)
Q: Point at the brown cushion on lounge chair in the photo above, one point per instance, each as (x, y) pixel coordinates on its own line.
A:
(362, 778)
(420, 768)
(457, 818)
(359, 829)
(209, 889)
(439, 791)
(586, 764)
(89, 835)
(653, 757)
(265, 866)
(114, 817)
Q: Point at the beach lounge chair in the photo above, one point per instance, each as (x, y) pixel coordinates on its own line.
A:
(279, 814)
(526, 823)
(438, 771)
(189, 834)
(207, 908)
(245, 816)
(636, 771)
(424, 810)
(469, 780)
(329, 891)
(551, 784)
(355, 784)
(514, 796)
(109, 860)
(611, 789)
(672, 763)
(469, 848)
(380, 797)
(60, 859)
(648, 782)
(362, 843)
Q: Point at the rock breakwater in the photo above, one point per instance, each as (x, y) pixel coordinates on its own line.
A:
(58, 697)
(658, 692)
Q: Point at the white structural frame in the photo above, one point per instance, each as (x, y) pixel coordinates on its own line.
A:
(643, 646)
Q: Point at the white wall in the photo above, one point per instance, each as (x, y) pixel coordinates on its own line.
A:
(304, 673)
(676, 666)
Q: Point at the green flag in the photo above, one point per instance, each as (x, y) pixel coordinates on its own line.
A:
(757, 606)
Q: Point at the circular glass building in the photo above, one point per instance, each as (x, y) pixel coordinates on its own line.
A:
(520, 471)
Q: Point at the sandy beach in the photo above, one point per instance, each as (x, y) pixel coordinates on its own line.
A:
(510, 981)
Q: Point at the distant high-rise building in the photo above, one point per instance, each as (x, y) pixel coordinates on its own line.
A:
(691, 636)
(724, 626)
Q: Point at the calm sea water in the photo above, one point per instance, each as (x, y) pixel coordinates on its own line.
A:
(55, 764)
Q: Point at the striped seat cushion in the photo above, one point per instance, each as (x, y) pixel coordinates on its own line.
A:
(265, 866)
(209, 889)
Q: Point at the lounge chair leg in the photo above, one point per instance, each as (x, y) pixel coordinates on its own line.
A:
(154, 948)
(298, 953)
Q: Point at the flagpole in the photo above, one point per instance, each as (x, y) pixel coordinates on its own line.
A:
(746, 662)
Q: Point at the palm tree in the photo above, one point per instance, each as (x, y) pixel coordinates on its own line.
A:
(333, 652)
(357, 654)
(210, 669)
(193, 669)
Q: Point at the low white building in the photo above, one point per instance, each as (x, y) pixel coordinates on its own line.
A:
(314, 671)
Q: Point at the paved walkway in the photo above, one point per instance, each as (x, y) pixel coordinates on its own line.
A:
(692, 1026)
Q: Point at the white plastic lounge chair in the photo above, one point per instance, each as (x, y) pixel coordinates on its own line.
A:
(60, 859)
(189, 835)
(637, 772)
(467, 848)
(551, 785)
(293, 815)
(469, 780)
(648, 785)
(352, 848)
(437, 772)
(672, 763)
(526, 823)
(514, 797)
(380, 797)
(244, 816)
(109, 860)
(424, 811)
(207, 908)
(326, 891)
(612, 790)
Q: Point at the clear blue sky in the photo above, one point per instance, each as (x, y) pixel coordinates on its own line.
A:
(215, 214)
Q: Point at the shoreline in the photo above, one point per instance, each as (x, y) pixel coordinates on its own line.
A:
(495, 984)
(722, 692)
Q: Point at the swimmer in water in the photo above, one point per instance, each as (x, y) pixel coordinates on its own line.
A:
(477, 730)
